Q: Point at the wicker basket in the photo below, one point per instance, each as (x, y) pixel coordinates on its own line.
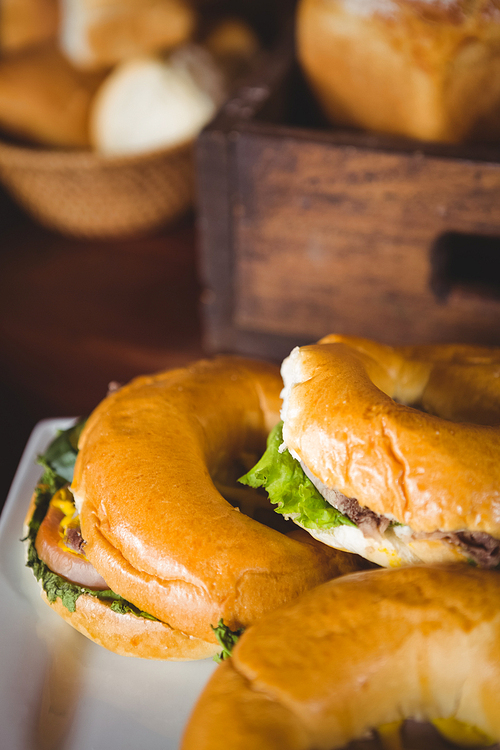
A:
(83, 194)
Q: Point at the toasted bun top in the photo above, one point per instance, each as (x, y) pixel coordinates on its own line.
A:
(155, 526)
(356, 653)
(347, 416)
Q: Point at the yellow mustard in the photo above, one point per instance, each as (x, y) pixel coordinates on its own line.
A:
(462, 734)
(63, 501)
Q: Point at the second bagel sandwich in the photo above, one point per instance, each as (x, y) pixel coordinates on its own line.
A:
(390, 452)
(141, 552)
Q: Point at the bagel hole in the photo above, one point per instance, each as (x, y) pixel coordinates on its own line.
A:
(415, 735)
(251, 502)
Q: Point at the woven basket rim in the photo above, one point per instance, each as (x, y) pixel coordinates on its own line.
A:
(13, 154)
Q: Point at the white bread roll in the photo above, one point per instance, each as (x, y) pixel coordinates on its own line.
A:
(100, 33)
(150, 103)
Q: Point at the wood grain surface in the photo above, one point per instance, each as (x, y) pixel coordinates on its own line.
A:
(330, 237)
(307, 229)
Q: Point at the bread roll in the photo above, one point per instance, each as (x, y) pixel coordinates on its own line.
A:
(426, 69)
(44, 99)
(151, 103)
(24, 23)
(100, 33)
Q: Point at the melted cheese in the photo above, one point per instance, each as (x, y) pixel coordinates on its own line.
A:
(63, 501)
(462, 734)
(390, 735)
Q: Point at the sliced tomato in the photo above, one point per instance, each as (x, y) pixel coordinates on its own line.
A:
(73, 567)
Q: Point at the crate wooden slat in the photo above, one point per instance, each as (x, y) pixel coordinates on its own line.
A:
(305, 231)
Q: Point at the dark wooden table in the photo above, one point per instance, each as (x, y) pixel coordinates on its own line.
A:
(77, 314)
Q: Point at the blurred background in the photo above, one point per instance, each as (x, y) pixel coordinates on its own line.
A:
(181, 178)
(98, 254)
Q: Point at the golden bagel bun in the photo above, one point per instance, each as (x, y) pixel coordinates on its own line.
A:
(129, 635)
(421, 68)
(357, 654)
(410, 433)
(44, 99)
(24, 23)
(100, 33)
(155, 526)
(124, 633)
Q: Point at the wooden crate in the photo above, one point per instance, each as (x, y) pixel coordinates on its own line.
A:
(306, 230)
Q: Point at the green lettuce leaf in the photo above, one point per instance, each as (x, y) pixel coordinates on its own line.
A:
(282, 476)
(227, 638)
(60, 456)
(58, 462)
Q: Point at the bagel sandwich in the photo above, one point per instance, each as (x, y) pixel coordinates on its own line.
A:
(392, 453)
(71, 585)
(357, 656)
(129, 534)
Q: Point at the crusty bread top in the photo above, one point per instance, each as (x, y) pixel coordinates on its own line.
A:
(353, 654)
(426, 70)
(441, 11)
(345, 416)
(155, 526)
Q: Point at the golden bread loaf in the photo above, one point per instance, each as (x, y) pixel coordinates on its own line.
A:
(44, 99)
(426, 69)
(157, 529)
(411, 433)
(359, 653)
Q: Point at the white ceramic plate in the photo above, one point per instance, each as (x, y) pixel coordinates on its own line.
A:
(60, 691)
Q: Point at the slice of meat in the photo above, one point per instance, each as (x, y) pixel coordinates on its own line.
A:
(70, 565)
(371, 524)
(481, 548)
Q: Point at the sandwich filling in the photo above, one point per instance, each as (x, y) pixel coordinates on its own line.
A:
(55, 514)
(342, 521)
